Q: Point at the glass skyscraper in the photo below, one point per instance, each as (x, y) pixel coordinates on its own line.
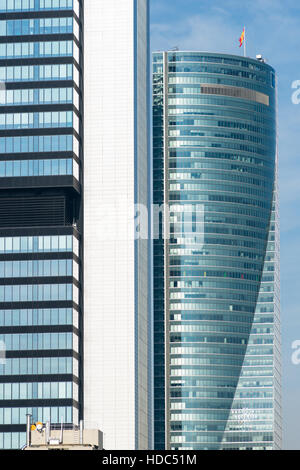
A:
(217, 372)
(117, 340)
(40, 214)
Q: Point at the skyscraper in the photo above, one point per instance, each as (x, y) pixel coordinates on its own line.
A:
(40, 206)
(74, 313)
(217, 367)
(116, 179)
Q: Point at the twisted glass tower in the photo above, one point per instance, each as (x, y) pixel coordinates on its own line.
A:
(216, 276)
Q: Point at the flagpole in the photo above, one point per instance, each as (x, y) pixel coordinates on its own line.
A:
(245, 43)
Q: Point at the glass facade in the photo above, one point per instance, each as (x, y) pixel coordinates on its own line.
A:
(216, 277)
(40, 248)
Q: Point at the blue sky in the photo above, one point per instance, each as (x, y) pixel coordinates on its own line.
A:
(272, 30)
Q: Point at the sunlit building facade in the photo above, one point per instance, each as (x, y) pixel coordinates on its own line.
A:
(217, 366)
(117, 276)
(75, 299)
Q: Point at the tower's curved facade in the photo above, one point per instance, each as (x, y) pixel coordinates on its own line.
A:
(216, 277)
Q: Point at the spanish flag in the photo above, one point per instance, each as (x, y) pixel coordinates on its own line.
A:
(242, 38)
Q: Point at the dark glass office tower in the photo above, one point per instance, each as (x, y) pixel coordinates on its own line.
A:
(40, 214)
(216, 278)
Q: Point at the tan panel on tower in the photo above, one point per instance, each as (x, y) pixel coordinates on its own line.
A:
(236, 92)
